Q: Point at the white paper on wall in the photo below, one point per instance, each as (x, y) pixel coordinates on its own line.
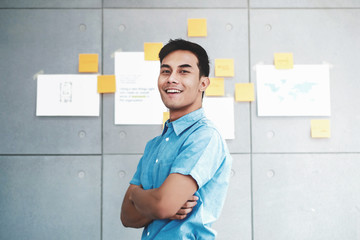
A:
(137, 99)
(67, 95)
(301, 91)
(220, 110)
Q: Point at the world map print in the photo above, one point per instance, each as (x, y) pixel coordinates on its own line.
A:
(282, 92)
(301, 91)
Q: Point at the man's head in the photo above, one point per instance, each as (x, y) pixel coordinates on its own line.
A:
(183, 77)
(197, 50)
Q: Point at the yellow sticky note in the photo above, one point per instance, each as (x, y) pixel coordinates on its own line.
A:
(283, 60)
(216, 87)
(320, 128)
(166, 116)
(89, 63)
(197, 27)
(244, 92)
(106, 84)
(224, 67)
(151, 51)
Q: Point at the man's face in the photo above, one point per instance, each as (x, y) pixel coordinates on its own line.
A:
(180, 84)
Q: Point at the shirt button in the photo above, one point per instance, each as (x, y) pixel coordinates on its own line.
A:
(148, 233)
(156, 160)
(167, 139)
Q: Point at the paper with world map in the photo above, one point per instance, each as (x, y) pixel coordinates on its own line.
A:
(301, 91)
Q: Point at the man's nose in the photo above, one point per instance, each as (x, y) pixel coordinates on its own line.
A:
(173, 78)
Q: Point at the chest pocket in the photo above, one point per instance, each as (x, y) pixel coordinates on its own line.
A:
(166, 155)
(162, 171)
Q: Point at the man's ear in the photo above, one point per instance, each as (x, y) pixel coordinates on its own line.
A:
(204, 83)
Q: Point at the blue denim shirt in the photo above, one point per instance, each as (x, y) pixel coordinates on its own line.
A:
(191, 146)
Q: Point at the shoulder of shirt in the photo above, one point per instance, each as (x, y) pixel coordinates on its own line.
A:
(207, 126)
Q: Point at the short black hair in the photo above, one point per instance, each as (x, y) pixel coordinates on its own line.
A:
(196, 49)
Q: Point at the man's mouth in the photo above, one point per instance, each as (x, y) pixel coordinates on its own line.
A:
(172, 91)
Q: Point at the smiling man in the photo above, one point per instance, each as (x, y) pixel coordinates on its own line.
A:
(181, 181)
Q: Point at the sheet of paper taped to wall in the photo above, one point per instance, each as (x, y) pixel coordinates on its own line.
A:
(137, 99)
(67, 95)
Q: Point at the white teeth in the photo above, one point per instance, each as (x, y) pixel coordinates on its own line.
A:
(172, 91)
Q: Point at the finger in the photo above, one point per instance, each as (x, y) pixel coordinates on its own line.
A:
(189, 204)
(184, 211)
(178, 217)
(193, 198)
(181, 214)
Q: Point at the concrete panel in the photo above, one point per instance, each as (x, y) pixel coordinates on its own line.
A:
(118, 171)
(314, 37)
(309, 196)
(50, 4)
(53, 197)
(127, 30)
(235, 220)
(304, 4)
(176, 3)
(44, 41)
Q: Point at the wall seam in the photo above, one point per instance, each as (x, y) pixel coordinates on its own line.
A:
(102, 126)
(250, 116)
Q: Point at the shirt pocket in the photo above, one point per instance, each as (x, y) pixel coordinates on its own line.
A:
(163, 170)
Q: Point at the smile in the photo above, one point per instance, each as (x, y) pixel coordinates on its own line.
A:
(172, 91)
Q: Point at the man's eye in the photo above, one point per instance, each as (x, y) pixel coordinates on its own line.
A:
(165, 71)
(184, 71)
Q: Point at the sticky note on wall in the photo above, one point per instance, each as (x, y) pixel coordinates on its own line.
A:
(106, 84)
(151, 51)
(224, 67)
(216, 87)
(197, 27)
(283, 60)
(320, 128)
(88, 63)
(244, 92)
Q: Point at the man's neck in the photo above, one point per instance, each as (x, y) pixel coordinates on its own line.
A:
(175, 115)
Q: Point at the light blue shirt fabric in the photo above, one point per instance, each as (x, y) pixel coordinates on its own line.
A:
(191, 146)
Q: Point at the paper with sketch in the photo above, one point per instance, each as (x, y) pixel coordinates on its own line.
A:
(220, 110)
(137, 99)
(67, 95)
(301, 91)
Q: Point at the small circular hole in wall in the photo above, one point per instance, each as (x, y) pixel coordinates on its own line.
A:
(82, 27)
(268, 27)
(229, 27)
(122, 28)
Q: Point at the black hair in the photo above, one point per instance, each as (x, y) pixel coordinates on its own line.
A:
(181, 44)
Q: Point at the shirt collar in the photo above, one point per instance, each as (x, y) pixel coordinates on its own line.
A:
(181, 124)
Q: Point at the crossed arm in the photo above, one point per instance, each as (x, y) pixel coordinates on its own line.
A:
(174, 199)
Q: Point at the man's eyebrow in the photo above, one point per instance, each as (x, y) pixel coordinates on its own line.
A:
(185, 66)
(180, 66)
(164, 66)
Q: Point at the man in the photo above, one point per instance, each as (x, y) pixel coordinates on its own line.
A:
(181, 181)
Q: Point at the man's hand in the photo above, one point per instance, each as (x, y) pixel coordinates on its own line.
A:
(185, 209)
